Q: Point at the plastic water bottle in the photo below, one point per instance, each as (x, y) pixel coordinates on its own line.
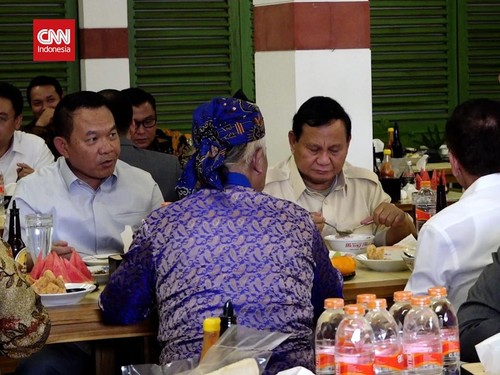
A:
(389, 359)
(448, 325)
(400, 307)
(364, 298)
(354, 352)
(422, 339)
(425, 204)
(326, 329)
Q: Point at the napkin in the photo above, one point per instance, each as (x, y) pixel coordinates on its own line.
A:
(299, 370)
(489, 354)
(410, 242)
(127, 236)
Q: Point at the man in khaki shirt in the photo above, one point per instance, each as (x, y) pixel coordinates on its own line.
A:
(318, 178)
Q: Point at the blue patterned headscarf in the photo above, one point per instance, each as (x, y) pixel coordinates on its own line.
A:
(218, 125)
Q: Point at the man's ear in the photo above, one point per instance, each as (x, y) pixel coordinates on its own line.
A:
(292, 140)
(259, 162)
(61, 146)
(456, 168)
(18, 121)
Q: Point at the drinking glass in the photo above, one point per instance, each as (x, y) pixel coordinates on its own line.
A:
(39, 234)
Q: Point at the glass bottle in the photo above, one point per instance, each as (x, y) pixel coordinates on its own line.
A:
(211, 329)
(390, 139)
(397, 146)
(228, 318)
(376, 170)
(408, 176)
(326, 330)
(15, 241)
(440, 198)
(386, 170)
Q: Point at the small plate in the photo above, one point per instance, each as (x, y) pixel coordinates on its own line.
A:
(392, 260)
(99, 273)
(72, 298)
(97, 260)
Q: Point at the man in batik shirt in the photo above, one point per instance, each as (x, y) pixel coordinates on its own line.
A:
(226, 240)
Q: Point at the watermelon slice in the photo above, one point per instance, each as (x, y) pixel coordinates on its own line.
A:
(77, 262)
(72, 271)
(37, 270)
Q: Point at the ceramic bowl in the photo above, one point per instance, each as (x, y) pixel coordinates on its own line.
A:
(355, 243)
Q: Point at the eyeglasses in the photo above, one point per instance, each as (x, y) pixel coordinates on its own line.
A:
(147, 123)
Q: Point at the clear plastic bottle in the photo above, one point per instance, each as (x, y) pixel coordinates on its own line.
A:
(425, 204)
(326, 328)
(422, 339)
(354, 353)
(364, 298)
(389, 359)
(400, 307)
(448, 325)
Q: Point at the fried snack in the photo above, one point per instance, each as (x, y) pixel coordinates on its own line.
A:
(48, 283)
(374, 253)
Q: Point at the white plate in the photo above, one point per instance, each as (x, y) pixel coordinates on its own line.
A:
(97, 260)
(72, 298)
(392, 260)
(99, 273)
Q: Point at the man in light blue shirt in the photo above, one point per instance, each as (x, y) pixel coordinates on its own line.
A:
(91, 194)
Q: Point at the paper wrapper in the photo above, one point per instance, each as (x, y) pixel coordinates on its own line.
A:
(489, 354)
(296, 371)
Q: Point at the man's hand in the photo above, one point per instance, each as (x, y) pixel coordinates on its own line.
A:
(62, 249)
(318, 220)
(399, 223)
(45, 118)
(23, 170)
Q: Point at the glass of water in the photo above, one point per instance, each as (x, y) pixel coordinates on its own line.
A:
(39, 234)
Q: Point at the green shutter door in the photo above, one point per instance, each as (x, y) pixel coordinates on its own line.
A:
(16, 45)
(187, 52)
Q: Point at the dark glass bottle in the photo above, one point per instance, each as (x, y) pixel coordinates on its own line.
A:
(375, 166)
(440, 198)
(15, 241)
(397, 146)
(227, 319)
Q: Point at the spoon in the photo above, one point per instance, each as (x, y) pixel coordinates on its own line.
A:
(344, 233)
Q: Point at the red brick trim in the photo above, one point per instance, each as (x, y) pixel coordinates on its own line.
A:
(103, 43)
(310, 26)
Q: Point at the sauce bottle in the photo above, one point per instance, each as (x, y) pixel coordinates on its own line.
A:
(211, 329)
(227, 319)
(386, 170)
(15, 241)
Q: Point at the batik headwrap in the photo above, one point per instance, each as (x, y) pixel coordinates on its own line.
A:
(217, 126)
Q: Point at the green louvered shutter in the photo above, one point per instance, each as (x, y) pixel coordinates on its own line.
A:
(479, 49)
(187, 52)
(16, 44)
(413, 64)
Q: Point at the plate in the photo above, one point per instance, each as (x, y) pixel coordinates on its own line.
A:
(99, 273)
(392, 260)
(97, 260)
(72, 298)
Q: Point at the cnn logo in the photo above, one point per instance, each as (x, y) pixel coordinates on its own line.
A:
(54, 40)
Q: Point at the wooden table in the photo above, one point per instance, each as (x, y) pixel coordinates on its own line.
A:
(82, 322)
(383, 284)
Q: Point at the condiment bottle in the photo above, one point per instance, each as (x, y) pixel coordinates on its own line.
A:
(397, 146)
(390, 139)
(227, 319)
(211, 329)
(375, 166)
(386, 170)
(15, 241)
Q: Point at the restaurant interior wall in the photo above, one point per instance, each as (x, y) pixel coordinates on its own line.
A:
(429, 56)
(187, 52)
(16, 43)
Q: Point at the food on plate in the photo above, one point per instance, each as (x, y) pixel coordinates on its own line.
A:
(344, 263)
(48, 283)
(374, 253)
(247, 366)
(72, 271)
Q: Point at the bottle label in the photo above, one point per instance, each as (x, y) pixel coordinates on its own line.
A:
(424, 360)
(422, 215)
(354, 368)
(22, 259)
(451, 348)
(325, 362)
(390, 363)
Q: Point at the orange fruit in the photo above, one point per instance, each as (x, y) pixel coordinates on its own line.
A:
(344, 263)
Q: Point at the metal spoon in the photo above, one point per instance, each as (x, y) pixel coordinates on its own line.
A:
(344, 233)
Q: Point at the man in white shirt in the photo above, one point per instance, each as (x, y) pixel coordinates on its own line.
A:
(456, 244)
(20, 153)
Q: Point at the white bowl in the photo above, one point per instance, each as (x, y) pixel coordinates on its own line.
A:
(61, 299)
(409, 261)
(392, 261)
(355, 243)
(99, 273)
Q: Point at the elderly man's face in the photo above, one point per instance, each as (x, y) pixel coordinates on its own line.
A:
(94, 145)
(8, 123)
(140, 133)
(320, 153)
(43, 97)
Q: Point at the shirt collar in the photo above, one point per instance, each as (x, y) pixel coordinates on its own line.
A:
(234, 178)
(70, 179)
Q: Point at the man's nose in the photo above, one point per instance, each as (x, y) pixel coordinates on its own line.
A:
(323, 158)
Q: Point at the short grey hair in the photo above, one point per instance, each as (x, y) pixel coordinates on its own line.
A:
(243, 154)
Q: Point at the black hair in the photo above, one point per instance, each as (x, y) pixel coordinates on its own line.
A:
(43, 81)
(12, 93)
(138, 96)
(121, 108)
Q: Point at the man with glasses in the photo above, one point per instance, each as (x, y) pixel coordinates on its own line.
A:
(144, 130)
(20, 153)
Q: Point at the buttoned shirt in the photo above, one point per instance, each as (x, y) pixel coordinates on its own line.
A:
(25, 148)
(263, 253)
(89, 220)
(456, 244)
(353, 196)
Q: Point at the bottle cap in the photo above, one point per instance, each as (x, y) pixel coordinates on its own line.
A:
(420, 300)
(354, 309)
(227, 319)
(390, 129)
(437, 291)
(387, 151)
(334, 303)
(211, 324)
(402, 295)
(365, 298)
(379, 303)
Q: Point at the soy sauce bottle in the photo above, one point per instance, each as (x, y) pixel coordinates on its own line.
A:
(15, 241)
